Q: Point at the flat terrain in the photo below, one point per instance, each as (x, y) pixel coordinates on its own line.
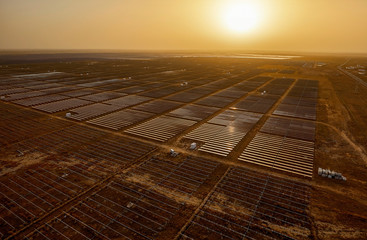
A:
(85, 146)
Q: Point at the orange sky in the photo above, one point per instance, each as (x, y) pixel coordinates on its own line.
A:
(285, 25)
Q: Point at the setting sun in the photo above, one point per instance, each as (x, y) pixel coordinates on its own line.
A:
(240, 16)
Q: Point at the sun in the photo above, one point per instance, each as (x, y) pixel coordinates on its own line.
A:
(240, 16)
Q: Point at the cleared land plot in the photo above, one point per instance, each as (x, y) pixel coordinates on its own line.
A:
(251, 205)
(293, 128)
(281, 153)
(91, 111)
(121, 119)
(161, 129)
(62, 105)
(193, 112)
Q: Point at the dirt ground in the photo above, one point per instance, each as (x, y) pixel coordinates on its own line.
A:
(339, 209)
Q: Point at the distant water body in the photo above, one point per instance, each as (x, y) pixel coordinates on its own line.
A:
(22, 57)
(252, 56)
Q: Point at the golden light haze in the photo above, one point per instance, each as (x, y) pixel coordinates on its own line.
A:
(282, 25)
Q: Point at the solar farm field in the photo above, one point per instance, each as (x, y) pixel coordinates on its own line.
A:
(86, 149)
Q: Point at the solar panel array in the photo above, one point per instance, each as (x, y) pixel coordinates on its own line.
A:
(120, 119)
(96, 99)
(250, 205)
(92, 111)
(289, 127)
(93, 183)
(193, 112)
(20, 124)
(62, 105)
(222, 133)
(277, 87)
(282, 153)
(161, 129)
(76, 158)
(40, 100)
(287, 144)
(103, 96)
(157, 106)
(130, 206)
(256, 103)
(301, 101)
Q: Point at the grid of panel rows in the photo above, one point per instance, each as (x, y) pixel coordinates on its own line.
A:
(96, 98)
(27, 195)
(281, 153)
(222, 133)
(301, 101)
(287, 144)
(87, 146)
(24, 197)
(92, 111)
(251, 205)
(19, 124)
(131, 207)
(62, 105)
(161, 129)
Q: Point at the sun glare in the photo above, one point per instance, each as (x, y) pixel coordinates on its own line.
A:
(240, 16)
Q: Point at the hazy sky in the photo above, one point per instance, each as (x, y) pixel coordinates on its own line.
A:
(290, 25)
